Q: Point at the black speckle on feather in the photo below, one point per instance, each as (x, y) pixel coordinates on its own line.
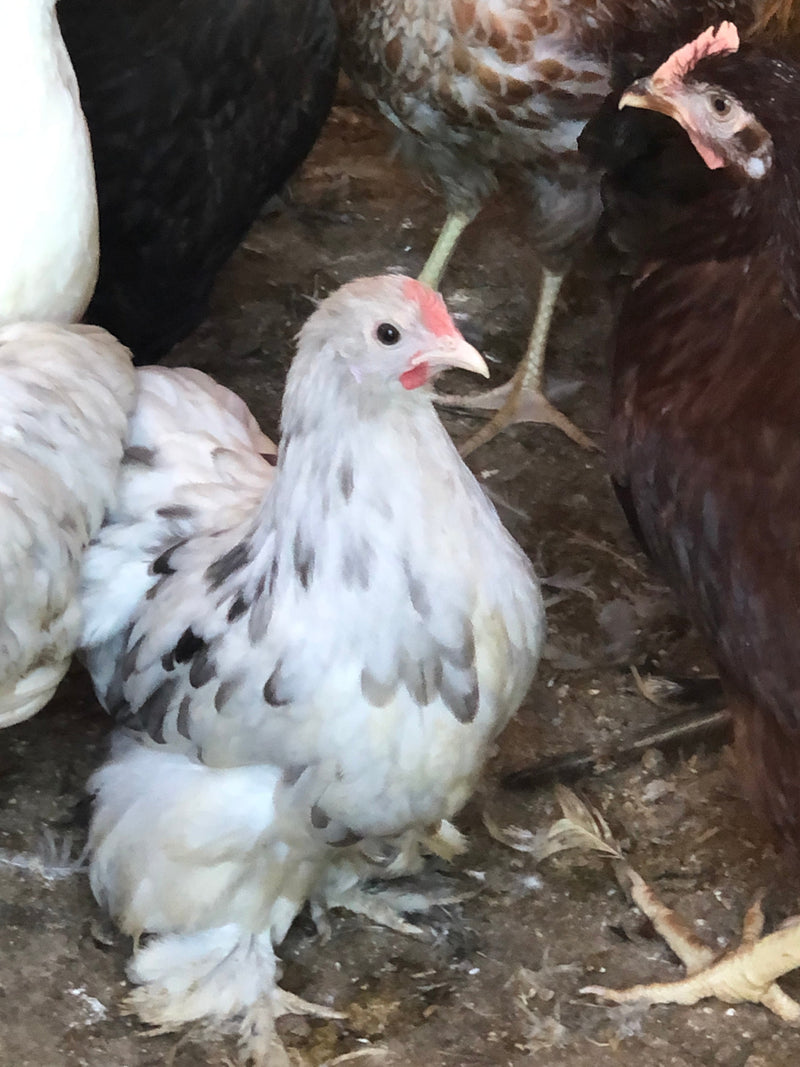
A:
(258, 619)
(227, 564)
(346, 479)
(203, 669)
(273, 577)
(303, 557)
(141, 457)
(237, 608)
(189, 644)
(225, 692)
(128, 665)
(319, 818)
(273, 694)
(463, 655)
(150, 715)
(417, 592)
(356, 566)
(174, 511)
(463, 705)
(374, 691)
(162, 564)
(183, 718)
(419, 679)
(293, 773)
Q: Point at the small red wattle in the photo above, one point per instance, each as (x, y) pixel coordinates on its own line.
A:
(414, 377)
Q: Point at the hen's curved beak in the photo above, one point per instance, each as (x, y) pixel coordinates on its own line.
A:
(452, 351)
(644, 94)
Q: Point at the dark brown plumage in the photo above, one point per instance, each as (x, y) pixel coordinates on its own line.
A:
(704, 442)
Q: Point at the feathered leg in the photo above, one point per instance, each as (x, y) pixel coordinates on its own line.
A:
(213, 865)
(225, 979)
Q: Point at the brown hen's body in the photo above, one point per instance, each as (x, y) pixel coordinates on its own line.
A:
(705, 437)
(704, 442)
(486, 93)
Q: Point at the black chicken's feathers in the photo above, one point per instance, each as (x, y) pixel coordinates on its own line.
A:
(198, 112)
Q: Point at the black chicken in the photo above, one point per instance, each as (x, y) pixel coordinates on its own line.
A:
(198, 112)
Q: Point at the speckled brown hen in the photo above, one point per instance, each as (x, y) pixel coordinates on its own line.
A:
(489, 90)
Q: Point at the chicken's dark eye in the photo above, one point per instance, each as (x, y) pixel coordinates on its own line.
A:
(387, 334)
(721, 105)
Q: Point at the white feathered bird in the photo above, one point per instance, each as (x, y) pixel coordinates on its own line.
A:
(310, 659)
(65, 394)
(48, 203)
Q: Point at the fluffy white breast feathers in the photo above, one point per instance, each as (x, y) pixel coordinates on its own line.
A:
(309, 651)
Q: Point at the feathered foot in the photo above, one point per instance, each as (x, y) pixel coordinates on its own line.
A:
(224, 979)
(745, 974)
(385, 905)
(522, 399)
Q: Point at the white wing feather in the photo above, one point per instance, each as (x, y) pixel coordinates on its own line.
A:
(65, 393)
(193, 462)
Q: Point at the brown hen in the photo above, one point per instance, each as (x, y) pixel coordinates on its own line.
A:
(704, 443)
(489, 91)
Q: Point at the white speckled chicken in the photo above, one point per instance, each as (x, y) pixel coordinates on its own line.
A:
(309, 660)
(65, 393)
(489, 92)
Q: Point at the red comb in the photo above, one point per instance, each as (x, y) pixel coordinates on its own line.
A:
(711, 42)
(434, 314)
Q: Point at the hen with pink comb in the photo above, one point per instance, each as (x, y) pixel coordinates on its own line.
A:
(308, 651)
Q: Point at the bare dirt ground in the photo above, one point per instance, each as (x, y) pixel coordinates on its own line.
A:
(495, 979)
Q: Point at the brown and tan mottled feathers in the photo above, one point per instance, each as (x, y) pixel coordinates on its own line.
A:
(778, 17)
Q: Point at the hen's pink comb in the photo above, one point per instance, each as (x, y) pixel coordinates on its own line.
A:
(434, 314)
(711, 42)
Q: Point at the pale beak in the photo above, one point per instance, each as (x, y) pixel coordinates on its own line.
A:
(452, 351)
(643, 94)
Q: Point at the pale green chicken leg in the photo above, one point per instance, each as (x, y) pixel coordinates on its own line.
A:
(522, 398)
